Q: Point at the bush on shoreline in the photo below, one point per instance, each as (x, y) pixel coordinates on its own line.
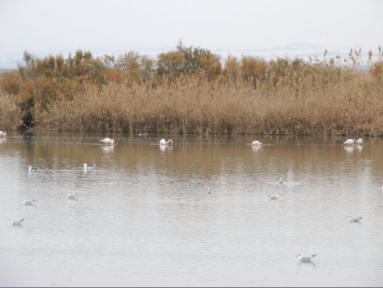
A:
(190, 90)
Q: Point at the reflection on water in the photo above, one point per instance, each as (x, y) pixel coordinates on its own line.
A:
(197, 213)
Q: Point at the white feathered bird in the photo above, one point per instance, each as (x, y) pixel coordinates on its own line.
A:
(71, 196)
(305, 259)
(256, 143)
(355, 220)
(107, 141)
(169, 142)
(349, 142)
(17, 223)
(28, 202)
(360, 141)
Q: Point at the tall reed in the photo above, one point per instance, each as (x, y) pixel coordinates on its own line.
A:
(350, 105)
(191, 90)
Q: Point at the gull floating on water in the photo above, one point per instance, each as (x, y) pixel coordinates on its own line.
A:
(28, 202)
(305, 259)
(90, 166)
(30, 168)
(17, 223)
(280, 180)
(107, 141)
(71, 196)
(3, 133)
(355, 219)
(274, 197)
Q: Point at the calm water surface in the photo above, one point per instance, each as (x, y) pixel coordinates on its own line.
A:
(146, 216)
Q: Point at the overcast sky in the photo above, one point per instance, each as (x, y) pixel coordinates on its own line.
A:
(50, 25)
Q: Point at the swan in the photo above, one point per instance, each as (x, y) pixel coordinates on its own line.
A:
(90, 166)
(355, 220)
(3, 133)
(360, 141)
(256, 143)
(71, 196)
(17, 223)
(305, 259)
(107, 141)
(273, 197)
(28, 202)
(349, 142)
(169, 142)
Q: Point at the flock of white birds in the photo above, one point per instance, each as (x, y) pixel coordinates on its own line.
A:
(166, 144)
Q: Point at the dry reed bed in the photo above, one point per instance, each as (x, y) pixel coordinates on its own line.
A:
(349, 106)
(9, 112)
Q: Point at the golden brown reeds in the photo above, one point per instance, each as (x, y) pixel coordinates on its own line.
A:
(9, 112)
(350, 105)
(188, 91)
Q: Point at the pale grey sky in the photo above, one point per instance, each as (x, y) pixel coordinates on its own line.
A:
(52, 25)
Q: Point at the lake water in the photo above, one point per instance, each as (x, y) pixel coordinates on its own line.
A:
(197, 214)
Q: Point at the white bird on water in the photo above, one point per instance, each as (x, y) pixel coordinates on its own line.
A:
(107, 141)
(256, 143)
(353, 141)
(30, 168)
(71, 196)
(28, 202)
(85, 166)
(349, 142)
(360, 141)
(305, 259)
(273, 197)
(355, 219)
(163, 142)
(3, 133)
(17, 223)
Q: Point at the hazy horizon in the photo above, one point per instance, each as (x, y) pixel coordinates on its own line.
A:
(262, 28)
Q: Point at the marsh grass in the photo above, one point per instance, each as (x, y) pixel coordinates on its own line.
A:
(9, 112)
(352, 105)
(186, 91)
